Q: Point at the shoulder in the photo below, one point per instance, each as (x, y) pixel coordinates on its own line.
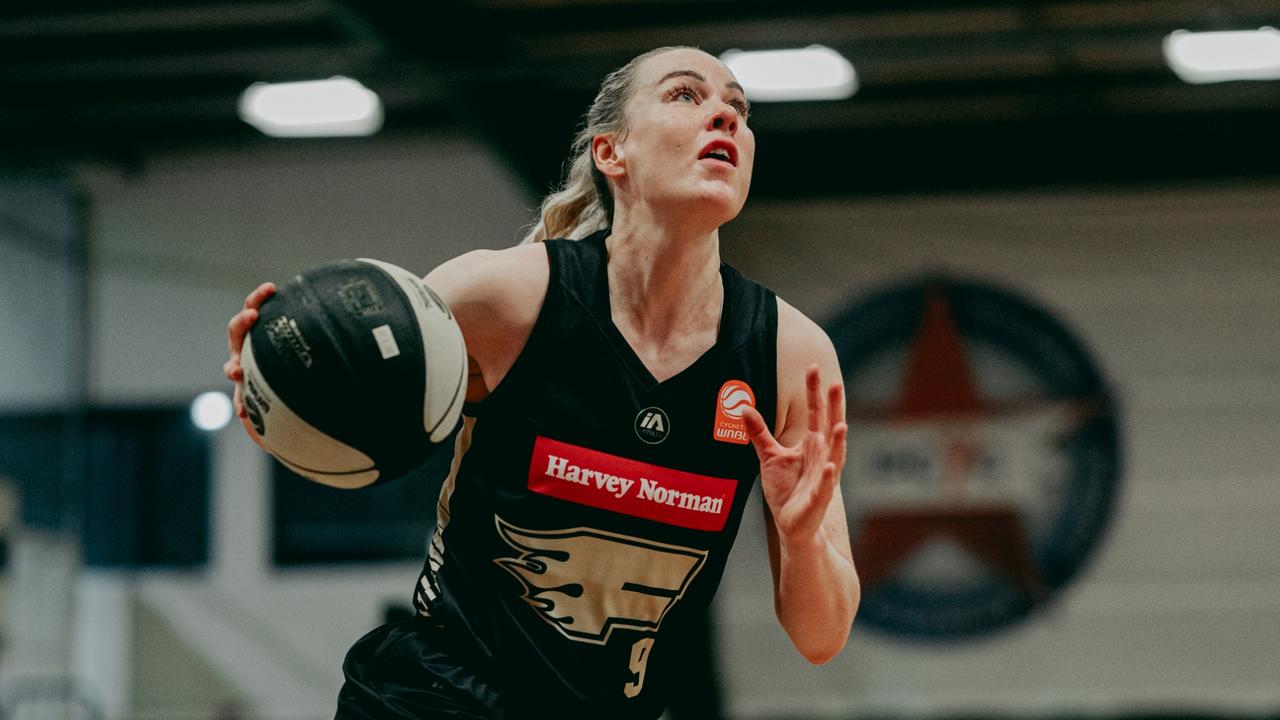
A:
(802, 343)
(493, 276)
(496, 297)
(801, 340)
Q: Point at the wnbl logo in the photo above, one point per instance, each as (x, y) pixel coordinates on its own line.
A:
(734, 398)
(652, 425)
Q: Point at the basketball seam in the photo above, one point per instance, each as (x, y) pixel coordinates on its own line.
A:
(419, 335)
(422, 341)
(304, 468)
(456, 394)
(359, 380)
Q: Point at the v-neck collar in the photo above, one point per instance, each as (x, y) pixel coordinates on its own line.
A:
(619, 341)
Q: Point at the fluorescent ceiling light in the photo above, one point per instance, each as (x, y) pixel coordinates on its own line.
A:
(812, 73)
(314, 108)
(211, 411)
(1220, 56)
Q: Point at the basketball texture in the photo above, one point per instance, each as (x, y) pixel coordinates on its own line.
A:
(354, 373)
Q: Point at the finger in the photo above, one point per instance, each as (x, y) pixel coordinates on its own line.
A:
(242, 321)
(813, 381)
(835, 406)
(758, 432)
(814, 448)
(232, 370)
(259, 295)
(826, 488)
(839, 444)
(239, 326)
(238, 400)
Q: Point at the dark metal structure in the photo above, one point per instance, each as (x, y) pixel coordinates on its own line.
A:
(954, 94)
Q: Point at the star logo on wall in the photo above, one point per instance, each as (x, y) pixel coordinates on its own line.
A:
(976, 459)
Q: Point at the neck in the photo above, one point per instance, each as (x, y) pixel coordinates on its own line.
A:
(664, 278)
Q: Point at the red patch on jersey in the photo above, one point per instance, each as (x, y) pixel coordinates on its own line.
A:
(609, 482)
(733, 398)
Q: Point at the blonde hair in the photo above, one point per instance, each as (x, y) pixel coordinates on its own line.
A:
(583, 203)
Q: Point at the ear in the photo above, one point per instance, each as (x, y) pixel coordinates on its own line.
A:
(607, 154)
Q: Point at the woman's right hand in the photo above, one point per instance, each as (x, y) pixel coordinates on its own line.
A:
(237, 329)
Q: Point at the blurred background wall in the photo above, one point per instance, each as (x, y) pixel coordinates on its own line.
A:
(1172, 289)
(145, 586)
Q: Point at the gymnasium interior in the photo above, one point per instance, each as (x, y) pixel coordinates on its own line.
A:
(1045, 245)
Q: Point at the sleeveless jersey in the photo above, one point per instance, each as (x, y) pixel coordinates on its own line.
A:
(590, 509)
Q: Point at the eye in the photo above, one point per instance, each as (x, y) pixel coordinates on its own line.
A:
(742, 107)
(684, 93)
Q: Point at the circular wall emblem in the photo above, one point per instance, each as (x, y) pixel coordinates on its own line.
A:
(652, 425)
(983, 456)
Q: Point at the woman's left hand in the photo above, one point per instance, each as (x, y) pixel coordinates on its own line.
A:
(798, 481)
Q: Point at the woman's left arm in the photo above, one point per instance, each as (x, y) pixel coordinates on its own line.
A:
(815, 586)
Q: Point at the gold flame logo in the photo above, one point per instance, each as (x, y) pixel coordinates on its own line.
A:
(586, 583)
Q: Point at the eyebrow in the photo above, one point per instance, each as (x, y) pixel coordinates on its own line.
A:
(692, 74)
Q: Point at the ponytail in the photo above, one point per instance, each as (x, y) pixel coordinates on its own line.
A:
(580, 206)
(583, 203)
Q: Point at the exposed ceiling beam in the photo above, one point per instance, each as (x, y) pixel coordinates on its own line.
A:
(167, 19)
(1012, 106)
(1155, 13)
(266, 64)
(835, 29)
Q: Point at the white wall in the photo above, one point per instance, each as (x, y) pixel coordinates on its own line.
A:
(1177, 293)
(40, 236)
(178, 246)
(41, 367)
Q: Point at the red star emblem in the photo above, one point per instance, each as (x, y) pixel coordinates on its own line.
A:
(939, 398)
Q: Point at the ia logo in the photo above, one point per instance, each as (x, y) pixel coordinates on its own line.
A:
(652, 425)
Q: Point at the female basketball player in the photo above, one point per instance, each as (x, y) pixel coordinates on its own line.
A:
(623, 387)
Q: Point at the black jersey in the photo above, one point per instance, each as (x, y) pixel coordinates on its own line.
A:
(590, 508)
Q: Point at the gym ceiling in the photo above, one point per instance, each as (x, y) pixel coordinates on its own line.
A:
(954, 95)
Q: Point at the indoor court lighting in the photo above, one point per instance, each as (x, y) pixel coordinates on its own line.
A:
(811, 73)
(1221, 56)
(211, 411)
(338, 106)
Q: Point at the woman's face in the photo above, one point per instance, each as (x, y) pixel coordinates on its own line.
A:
(687, 146)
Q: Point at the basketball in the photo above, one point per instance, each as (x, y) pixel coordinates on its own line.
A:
(354, 373)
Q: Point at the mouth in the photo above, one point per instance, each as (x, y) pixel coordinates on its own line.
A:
(721, 151)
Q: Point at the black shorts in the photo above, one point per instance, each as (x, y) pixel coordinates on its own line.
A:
(400, 671)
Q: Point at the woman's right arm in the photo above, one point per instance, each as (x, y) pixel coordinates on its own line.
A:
(495, 297)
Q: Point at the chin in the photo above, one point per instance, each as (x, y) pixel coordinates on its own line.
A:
(723, 203)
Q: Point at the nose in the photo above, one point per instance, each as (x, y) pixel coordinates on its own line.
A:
(725, 118)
